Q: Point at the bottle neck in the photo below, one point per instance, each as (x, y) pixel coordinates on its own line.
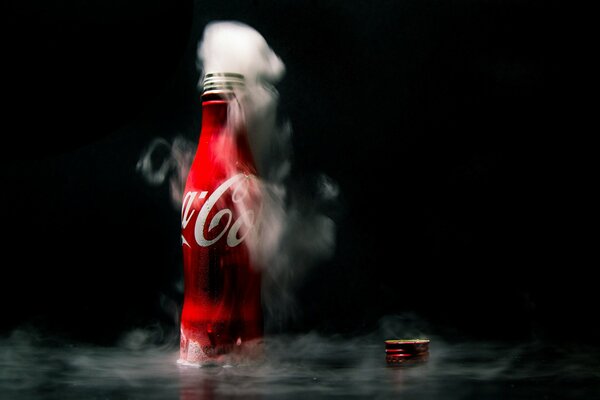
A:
(218, 93)
(219, 135)
(214, 114)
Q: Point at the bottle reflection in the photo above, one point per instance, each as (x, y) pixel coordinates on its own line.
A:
(218, 382)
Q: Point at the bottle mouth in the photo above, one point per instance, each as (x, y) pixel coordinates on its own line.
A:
(222, 82)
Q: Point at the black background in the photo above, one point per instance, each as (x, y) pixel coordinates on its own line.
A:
(449, 127)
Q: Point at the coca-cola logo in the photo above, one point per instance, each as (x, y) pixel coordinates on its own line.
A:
(240, 188)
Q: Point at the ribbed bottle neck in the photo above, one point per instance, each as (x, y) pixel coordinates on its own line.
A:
(222, 84)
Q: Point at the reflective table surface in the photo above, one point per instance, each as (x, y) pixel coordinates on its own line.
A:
(297, 367)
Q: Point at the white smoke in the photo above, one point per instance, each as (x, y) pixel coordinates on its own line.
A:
(293, 233)
(162, 160)
(235, 47)
(309, 365)
(229, 46)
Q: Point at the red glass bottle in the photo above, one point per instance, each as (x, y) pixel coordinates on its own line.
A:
(222, 305)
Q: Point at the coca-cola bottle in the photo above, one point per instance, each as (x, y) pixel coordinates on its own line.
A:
(222, 305)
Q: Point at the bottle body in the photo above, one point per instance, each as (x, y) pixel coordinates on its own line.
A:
(222, 305)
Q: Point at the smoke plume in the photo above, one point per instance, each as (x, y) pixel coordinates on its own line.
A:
(293, 233)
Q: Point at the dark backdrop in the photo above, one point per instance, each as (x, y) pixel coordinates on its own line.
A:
(449, 127)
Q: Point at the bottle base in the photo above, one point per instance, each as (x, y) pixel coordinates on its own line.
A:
(193, 354)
